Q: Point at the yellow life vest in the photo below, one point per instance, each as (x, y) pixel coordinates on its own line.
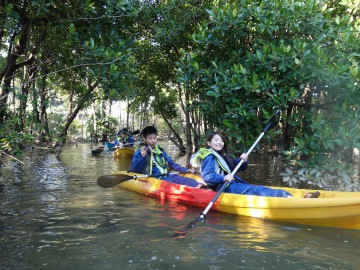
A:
(156, 157)
(220, 167)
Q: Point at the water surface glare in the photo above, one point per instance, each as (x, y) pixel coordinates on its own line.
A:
(54, 216)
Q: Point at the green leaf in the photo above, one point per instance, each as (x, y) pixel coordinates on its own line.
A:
(234, 13)
(242, 70)
(354, 71)
(211, 94)
(255, 80)
(210, 12)
(324, 7)
(196, 65)
(259, 55)
(71, 28)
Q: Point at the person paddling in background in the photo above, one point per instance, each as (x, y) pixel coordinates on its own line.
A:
(152, 159)
(125, 139)
(216, 167)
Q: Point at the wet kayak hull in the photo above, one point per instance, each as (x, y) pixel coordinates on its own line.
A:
(331, 209)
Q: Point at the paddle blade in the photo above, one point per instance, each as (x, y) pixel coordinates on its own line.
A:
(272, 121)
(112, 180)
(188, 227)
(97, 151)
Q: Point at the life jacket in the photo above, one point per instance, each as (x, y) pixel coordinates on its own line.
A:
(221, 166)
(155, 157)
(124, 140)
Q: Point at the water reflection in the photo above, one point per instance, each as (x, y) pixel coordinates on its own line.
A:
(54, 216)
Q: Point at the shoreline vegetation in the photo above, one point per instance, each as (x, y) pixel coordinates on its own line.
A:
(264, 159)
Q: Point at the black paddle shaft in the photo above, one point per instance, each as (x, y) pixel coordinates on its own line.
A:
(112, 180)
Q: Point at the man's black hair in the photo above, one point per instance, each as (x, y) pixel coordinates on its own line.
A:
(123, 131)
(148, 131)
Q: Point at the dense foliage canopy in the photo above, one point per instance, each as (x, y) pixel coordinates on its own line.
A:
(196, 65)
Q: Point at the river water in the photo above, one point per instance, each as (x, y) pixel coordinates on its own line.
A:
(54, 216)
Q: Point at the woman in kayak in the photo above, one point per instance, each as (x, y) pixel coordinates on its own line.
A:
(150, 158)
(216, 167)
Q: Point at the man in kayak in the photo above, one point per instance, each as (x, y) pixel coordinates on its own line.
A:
(125, 139)
(150, 159)
(216, 167)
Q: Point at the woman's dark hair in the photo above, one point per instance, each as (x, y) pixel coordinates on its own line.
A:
(148, 131)
(224, 151)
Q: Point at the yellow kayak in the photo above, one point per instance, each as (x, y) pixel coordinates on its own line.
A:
(124, 152)
(331, 209)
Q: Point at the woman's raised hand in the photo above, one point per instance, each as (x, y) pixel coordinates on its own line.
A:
(244, 156)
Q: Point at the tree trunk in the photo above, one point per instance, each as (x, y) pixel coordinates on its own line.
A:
(80, 106)
(177, 140)
(71, 97)
(195, 128)
(25, 92)
(288, 133)
(36, 115)
(133, 122)
(45, 133)
(2, 28)
(205, 125)
(11, 66)
(127, 112)
(186, 110)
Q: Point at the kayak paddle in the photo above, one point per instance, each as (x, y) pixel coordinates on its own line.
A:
(112, 180)
(124, 145)
(271, 123)
(97, 151)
